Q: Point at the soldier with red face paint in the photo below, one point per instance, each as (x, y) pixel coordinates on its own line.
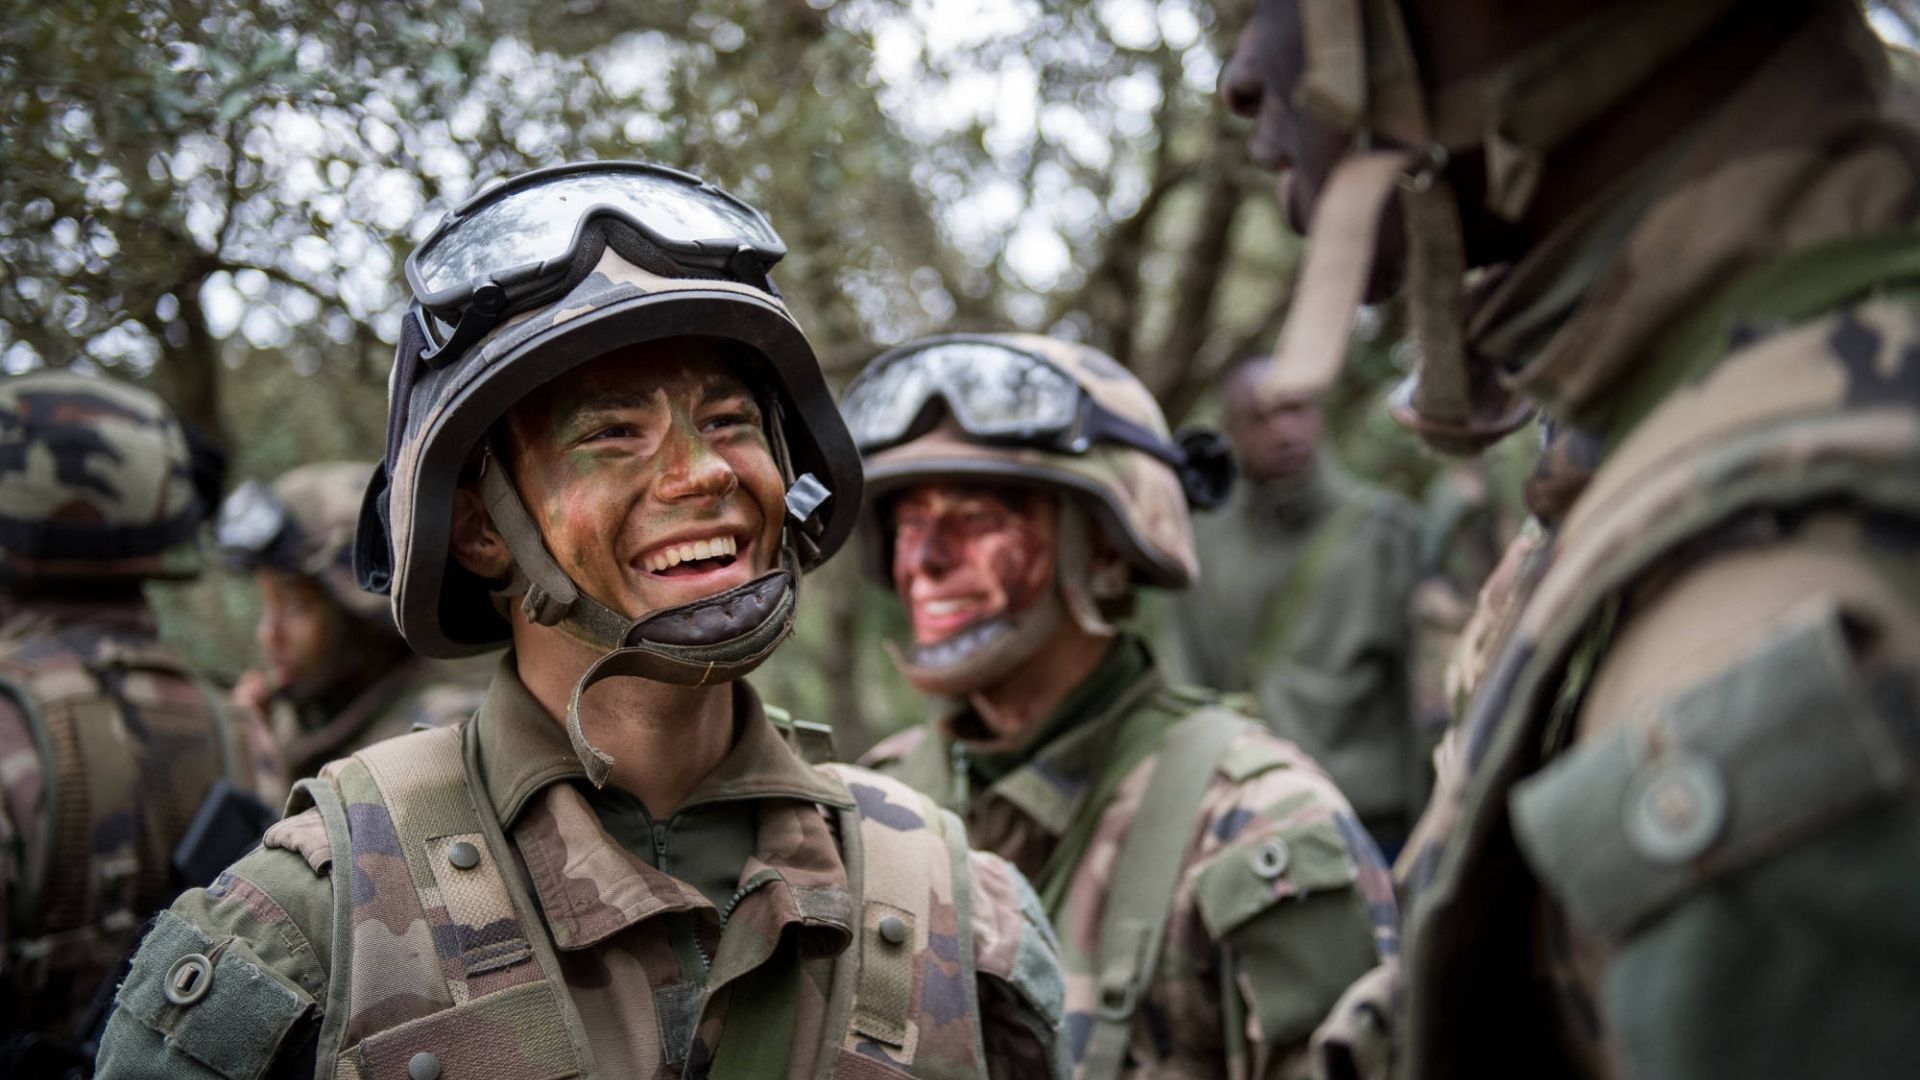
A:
(1211, 887)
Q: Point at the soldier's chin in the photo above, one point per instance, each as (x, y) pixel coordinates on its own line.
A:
(980, 654)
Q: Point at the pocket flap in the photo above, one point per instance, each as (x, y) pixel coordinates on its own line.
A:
(1259, 871)
(516, 1033)
(1738, 766)
(227, 1011)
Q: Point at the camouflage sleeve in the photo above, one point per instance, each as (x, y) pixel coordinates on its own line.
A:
(893, 749)
(1292, 894)
(1729, 843)
(231, 980)
(1017, 958)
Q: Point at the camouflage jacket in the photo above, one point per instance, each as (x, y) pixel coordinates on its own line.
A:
(108, 746)
(1303, 599)
(623, 969)
(1681, 837)
(1282, 898)
(416, 692)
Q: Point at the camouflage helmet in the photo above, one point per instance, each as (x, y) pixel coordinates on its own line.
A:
(303, 524)
(98, 479)
(1138, 497)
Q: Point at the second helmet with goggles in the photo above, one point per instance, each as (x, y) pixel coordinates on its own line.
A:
(522, 284)
(1032, 411)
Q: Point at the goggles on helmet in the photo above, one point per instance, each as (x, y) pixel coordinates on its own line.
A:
(253, 526)
(525, 242)
(1000, 394)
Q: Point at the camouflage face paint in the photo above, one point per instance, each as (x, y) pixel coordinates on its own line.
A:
(650, 476)
(964, 554)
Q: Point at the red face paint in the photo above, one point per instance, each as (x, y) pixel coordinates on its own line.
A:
(964, 554)
(650, 476)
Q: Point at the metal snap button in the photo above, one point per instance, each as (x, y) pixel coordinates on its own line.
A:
(1676, 809)
(189, 979)
(1271, 857)
(893, 930)
(423, 1066)
(463, 856)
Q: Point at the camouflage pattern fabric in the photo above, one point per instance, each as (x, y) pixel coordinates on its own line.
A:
(627, 971)
(322, 503)
(96, 479)
(1304, 601)
(1283, 898)
(1681, 839)
(106, 753)
(416, 693)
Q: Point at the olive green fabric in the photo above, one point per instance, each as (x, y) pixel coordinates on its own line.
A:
(1303, 601)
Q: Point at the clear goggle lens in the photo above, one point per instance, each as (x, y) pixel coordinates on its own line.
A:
(992, 391)
(250, 519)
(537, 223)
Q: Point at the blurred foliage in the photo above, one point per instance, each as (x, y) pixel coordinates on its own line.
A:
(215, 196)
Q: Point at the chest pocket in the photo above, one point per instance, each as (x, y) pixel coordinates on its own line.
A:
(1749, 850)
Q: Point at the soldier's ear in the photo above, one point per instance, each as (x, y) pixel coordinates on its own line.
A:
(475, 544)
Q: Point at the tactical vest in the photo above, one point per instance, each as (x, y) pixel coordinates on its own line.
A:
(484, 961)
(125, 768)
(1765, 764)
(1190, 732)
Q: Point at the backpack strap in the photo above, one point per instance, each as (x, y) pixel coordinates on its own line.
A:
(916, 912)
(1134, 925)
(448, 946)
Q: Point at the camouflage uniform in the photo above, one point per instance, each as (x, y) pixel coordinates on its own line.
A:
(1303, 600)
(380, 688)
(1680, 839)
(1278, 897)
(630, 968)
(1258, 945)
(108, 744)
(477, 900)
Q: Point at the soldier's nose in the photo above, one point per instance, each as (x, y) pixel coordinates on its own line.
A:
(1241, 87)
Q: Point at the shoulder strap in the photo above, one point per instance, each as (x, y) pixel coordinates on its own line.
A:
(1134, 925)
(465, 938)
(915, 878)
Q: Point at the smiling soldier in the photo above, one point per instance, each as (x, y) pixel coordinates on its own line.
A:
(1211, 887)
(622, 867)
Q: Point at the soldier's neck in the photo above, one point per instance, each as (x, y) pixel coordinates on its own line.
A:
(663, 738)
(1012, 708)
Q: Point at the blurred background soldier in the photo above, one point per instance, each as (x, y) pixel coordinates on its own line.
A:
(1022, 489)
(335, 674)
(1302, 600)
(1678, 836)
(108, 744)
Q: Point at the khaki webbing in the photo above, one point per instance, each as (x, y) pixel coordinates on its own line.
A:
(1133, 927)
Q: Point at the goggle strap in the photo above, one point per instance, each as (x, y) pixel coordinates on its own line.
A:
(1105, 425)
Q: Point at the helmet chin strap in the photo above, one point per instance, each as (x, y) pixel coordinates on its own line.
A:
(982, 654)
(714, 639)
(1362, 76)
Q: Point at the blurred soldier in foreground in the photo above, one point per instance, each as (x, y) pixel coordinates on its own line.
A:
(1303, 600)
(337, 674)
(108, 744)
(621, 867)
(1681, 838)
(1212, 889)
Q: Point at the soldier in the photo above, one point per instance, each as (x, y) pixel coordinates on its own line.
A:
(337, 675)
(1304, 600)
(1681, 836)
(109, 745)
(1212, 889)
(621, 867)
